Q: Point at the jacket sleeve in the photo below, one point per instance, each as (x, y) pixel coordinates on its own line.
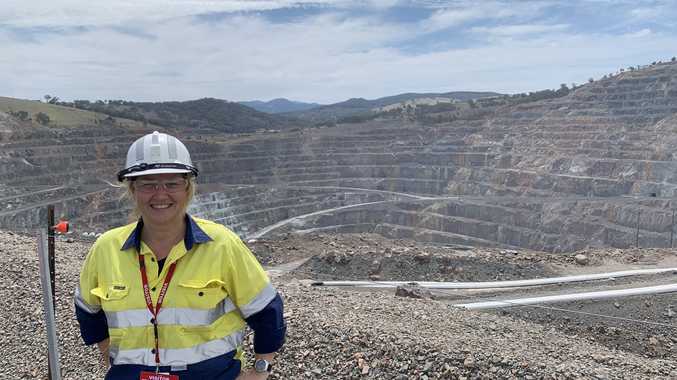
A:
(251, 291)
(92, 319)
(269, 327)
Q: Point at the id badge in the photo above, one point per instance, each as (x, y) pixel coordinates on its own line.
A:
(145, 375)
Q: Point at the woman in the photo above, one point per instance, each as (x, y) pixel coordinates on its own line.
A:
(168, 296)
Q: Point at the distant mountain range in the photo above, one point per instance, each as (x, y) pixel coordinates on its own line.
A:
(279, 105)
(215, 114)
(356, 109)
(389, 100)
(224, 116)
(282, 105)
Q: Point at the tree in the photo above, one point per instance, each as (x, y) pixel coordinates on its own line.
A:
(42, 118)
(673, 59)
(82, 104)
(51, 99)
(108, 120)
(563, 89)
(21, 115)
(591, 80)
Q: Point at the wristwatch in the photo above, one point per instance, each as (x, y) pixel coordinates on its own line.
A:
(262, 365)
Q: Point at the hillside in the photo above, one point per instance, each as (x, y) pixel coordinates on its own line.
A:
(60, 116)
(359, 109)
(279, 105)
(202, 114)
(26, 119)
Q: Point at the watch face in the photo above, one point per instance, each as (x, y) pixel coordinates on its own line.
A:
(261, 365)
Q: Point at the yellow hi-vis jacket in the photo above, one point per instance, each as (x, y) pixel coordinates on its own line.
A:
(216, 284)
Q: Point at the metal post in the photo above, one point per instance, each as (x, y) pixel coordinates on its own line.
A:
(48, 304)
(672, 227)
(50, 249)
(639, 212)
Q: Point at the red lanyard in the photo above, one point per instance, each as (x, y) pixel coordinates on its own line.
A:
(149, 301)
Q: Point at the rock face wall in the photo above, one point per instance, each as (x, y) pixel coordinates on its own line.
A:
(597, 167)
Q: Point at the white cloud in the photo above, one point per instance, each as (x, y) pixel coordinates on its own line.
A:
(60, 13)
(639, 34)
(661, 13)
(520, 30)
(646, 14)
(379, 4)
(467, 12)
(446, 18)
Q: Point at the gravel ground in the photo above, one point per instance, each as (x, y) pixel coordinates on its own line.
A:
(338, 333)
(656, 340)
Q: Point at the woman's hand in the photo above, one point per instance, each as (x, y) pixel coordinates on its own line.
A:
(103, 348)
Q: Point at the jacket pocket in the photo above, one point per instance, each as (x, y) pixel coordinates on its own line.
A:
(113, 297)
(202, 294)
(111, 292)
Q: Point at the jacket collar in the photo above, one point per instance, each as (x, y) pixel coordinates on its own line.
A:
(194, 234)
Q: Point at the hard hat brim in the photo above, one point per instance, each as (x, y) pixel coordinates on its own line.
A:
(156, 171)
(159, 168)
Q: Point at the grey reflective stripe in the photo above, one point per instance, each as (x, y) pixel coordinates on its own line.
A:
(178, 356)
(139, 150)
(80, 302)
(194, 317)
(259, 302)
(169, 316)
(171, 147)
(129, 318)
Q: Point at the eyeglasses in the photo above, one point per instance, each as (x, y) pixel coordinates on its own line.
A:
(171, 186)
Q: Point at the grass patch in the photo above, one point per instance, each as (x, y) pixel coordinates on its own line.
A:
(60, 116)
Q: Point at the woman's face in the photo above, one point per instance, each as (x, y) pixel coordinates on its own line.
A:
(161, 199)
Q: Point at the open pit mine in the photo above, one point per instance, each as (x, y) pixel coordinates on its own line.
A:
(493, 239)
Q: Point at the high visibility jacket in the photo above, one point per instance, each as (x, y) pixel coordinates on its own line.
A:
(216, 286)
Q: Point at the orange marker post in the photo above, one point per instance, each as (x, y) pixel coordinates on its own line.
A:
(61, 227)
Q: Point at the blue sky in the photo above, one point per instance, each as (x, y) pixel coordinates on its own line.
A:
(319, 51)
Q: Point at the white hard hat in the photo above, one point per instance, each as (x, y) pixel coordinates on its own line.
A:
(157, 153)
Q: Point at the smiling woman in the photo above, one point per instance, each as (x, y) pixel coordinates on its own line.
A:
(174, 186)
(168, 295)
(161, 200)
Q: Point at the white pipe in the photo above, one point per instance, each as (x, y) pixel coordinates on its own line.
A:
(669, 288)
(258, 234)
(495, 284)
(406, 195)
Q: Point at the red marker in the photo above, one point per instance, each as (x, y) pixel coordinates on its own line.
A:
(61, 227)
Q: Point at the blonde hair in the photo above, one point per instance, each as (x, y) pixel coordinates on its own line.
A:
(135, 214)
